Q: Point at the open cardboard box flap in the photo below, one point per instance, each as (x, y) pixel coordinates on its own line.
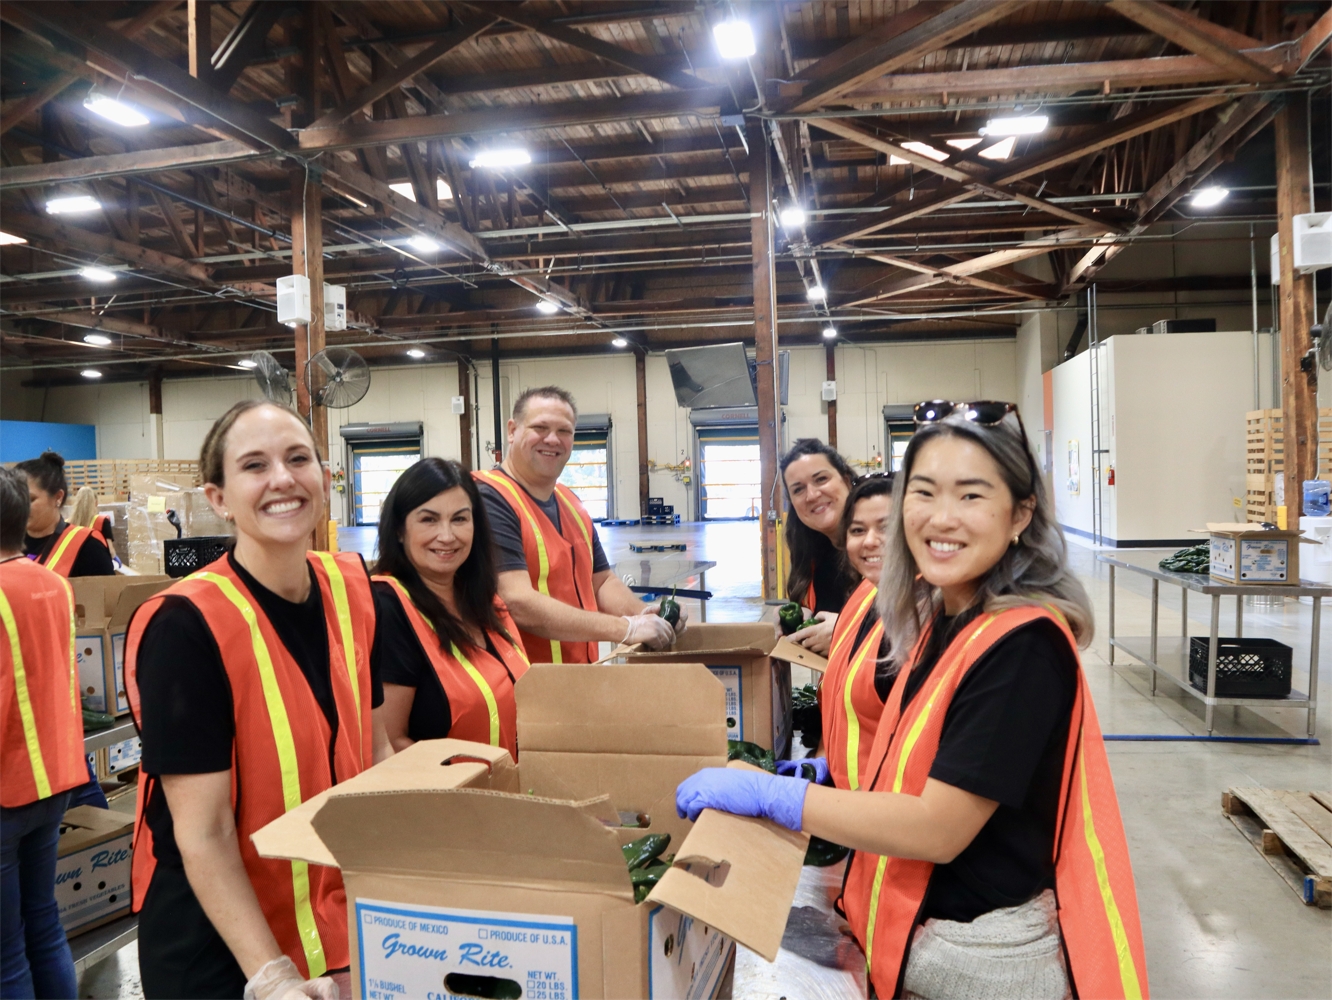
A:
(659, 709)
(793, 652)
(1236, 529)
(83, 826)
(753, 639)
(431, 765)
(102, 601)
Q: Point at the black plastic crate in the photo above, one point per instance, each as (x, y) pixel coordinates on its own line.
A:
(182, 556)
(1245, 668)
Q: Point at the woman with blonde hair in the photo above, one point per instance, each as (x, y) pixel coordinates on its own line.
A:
(990, 858)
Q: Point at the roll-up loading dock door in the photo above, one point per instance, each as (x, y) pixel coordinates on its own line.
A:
(588, 472)
(377, 454)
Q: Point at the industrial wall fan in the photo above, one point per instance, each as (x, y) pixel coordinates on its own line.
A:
(1324, 346)
(272, 378)
(337, 378)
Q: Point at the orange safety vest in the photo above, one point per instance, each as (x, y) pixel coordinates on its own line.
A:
(282, 753)
(101, 527)
(479, 687)
(41, 743)
(64, 550)
(559, 562)
(1098, 906)
(848, 701)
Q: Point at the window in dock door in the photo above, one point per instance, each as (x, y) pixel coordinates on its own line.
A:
(375, 468)
(588, 471)
(899, 436)
(729, 474)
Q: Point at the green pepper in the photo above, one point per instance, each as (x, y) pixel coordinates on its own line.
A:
(789, 617)
(822, 853)
(93, 721)
(638, 853)
(644, 880)
(751, 753)
(807, 623)
(669, 610)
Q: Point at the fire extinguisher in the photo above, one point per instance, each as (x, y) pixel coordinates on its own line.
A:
(1110, 479)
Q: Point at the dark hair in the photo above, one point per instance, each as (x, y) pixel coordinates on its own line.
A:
(14, 506)
(546, 391)
(474, 585)
(874, 485)
(48, 471)
(211, 455)
(805, 545)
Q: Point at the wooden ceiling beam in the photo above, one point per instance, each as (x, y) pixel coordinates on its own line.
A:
(247, 39)
(143, 161)
(898, 42)
(86, 241)
(1192, 33)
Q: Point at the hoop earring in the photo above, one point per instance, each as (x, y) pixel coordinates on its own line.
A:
(1017, 539)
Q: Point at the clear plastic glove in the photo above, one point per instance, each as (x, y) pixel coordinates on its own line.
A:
(796, 768)
(744, 793)
(648, 629)
(281, 980)
(817, 638)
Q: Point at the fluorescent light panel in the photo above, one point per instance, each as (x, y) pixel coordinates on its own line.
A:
(424, 244)
(415, 352)
(619, 342)
(829, 332)
(72, 204)
(97, 339)
(792, 217)
(497, 158)
(1209, 196)
(548, 307)
(98, 274)
(115, 111)
(1019, 125)
(816, 293)
(247, 363)
(90, 373)
(734, 38)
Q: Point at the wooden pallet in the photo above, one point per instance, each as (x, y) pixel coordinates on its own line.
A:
(110, 477)
(1264, 448)
(1292, 831)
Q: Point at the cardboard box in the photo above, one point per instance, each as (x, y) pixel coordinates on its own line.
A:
(1245, 553)
(102, 607)
(93, 867)
(485, 868)
(745, 658)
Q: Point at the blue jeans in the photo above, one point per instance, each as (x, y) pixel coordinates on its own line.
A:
(90, 794)
(34, 955)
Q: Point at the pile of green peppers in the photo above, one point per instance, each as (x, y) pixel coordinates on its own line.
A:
(805, 715)
(646, 865)
(1194, 559)
(751, 753)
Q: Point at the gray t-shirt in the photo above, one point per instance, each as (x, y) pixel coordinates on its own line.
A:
(508, 531)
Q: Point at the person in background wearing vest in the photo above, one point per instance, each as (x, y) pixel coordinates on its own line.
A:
(41, 756)
(86, 515)
(553, 575)
(68, 549)
(252, 683)
(988, 840)
(450, 651)
(817, 480)
(853, 690)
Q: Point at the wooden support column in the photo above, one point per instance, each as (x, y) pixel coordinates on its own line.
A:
(765, 343)
(155, 413)
(200, 22)
(307, 258)
(640, 372)
(1294, 197)
(495, 399)
(830, 351)
(465, 420)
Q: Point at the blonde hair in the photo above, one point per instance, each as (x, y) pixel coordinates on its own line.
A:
(85, 507)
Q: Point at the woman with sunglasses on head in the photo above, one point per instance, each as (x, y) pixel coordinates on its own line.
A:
(252, 683)
(817, 480)
(988, 839)
(452, 653)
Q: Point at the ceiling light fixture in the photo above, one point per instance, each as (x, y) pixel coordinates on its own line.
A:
(114, 110)
(816, 293)
(9, 239)
(97, 339)
(548, 307)
(424, 244)
(1209, 196)
(90, 373)
(829, 332)
(98, 274)
(247, 363)
(498, 158)
(734, 38)
(619, 342)
(72, 205)
(792, 217)
(1021, 125)
(415, 352)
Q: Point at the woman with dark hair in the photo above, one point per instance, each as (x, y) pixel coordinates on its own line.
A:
(252, 683)
(817, 480)
(990, 854)
(67, 549)
(451, 651)
(853, 689)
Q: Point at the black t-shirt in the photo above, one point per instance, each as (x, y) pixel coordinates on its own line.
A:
(186, 719)
(93, 559)
(1004, 738)
(507, 531)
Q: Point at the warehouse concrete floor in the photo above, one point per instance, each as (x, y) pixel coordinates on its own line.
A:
(1218, 920)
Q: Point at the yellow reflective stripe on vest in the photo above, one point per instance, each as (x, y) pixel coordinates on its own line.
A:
(543, 561)
(39, 777)
(61, 544)
(337, 584)
(486, 692)
(852, 719)
(287, 763)
(1128, 972)
(74, 695)
(578, 518)
(853, 625)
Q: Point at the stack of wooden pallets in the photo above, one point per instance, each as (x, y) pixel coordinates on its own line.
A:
(1325, 443)
(110, 476)
(1264, 462)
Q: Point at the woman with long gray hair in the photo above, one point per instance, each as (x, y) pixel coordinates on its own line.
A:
(990, 858)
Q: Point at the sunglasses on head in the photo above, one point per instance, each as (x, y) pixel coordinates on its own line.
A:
(986, 412)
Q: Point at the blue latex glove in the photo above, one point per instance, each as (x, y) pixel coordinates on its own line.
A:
(745, 793)
(795, 768)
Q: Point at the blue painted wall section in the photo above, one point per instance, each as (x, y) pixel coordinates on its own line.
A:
(20, 439)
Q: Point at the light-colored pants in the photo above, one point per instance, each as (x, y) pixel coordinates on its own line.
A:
(1014, 952)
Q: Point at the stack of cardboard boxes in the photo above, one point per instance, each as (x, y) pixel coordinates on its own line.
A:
(149, 524)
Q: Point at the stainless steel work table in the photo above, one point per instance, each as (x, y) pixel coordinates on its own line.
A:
(1169, 657)
(657, 576)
